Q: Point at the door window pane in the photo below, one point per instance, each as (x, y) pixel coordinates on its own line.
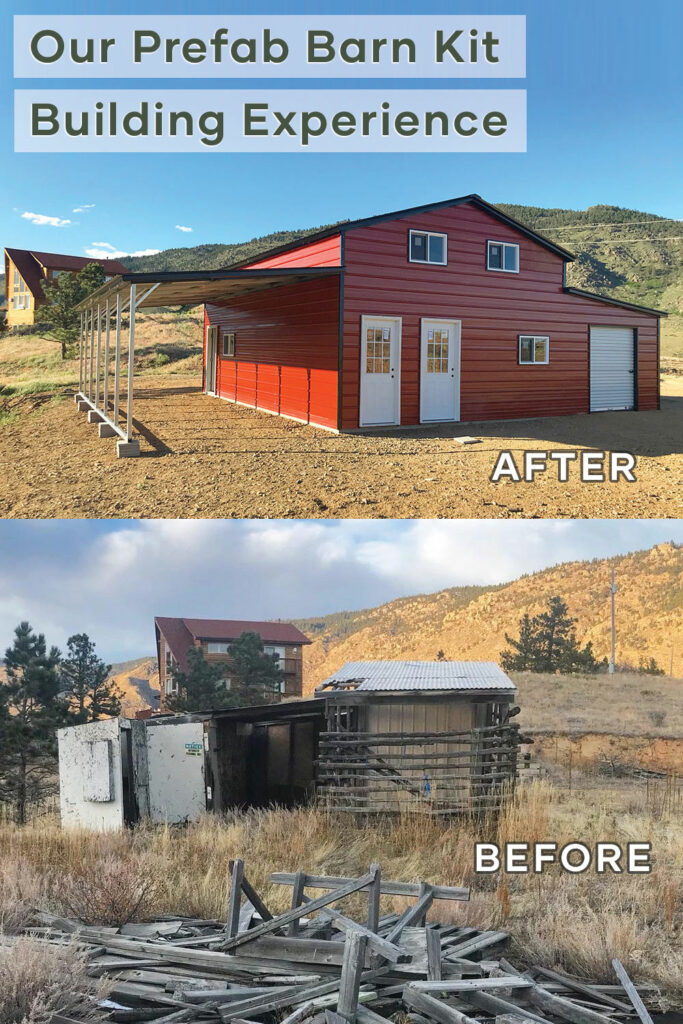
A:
(378, 350)
(437, 352)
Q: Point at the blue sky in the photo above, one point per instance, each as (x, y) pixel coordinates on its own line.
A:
(604, 108)
(110, 579)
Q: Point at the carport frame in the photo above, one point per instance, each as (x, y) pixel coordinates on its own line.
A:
(183, 287)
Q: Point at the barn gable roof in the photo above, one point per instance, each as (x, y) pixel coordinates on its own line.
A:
(387, 676)
(30, 264)
(352, 225)
(180, 633)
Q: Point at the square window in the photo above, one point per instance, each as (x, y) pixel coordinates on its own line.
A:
(228, 345)
(502, 256)
(427, 247)
(533, 348)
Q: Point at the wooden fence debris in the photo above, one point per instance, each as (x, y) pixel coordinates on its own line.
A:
(315, 964)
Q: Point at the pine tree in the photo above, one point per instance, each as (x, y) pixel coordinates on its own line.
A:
(93, 694)
(258, 675)
(63, 295)
(526, 657)
(547, 643)
(31, 709)
(201, 687)
(554, 637)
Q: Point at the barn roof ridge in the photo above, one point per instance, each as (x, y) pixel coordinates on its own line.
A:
(351, 225)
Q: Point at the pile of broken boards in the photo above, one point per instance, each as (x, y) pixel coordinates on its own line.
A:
(316, 965)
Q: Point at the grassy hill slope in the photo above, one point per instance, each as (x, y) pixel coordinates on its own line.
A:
(622, 253)
(649, 616)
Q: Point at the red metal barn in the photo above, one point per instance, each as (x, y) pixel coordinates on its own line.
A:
(447, 312)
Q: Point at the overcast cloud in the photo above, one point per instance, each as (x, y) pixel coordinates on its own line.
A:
(111, 579)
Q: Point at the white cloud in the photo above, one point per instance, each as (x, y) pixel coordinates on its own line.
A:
(83, 208)
(104, 251)
(42, 219)
(180, 227)
(111, 580)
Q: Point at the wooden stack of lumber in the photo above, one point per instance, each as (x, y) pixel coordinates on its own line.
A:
(315, 964)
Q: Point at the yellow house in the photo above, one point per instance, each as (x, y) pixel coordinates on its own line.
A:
(25, 271)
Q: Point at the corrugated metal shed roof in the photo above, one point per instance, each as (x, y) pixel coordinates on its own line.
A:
(418, 675)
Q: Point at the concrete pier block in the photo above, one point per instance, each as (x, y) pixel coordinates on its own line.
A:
(94, 417)
(83, 406)
(127, 449)
(104, 430)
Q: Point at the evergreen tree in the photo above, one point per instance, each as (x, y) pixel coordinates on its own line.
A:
(258, 675)
(86, 677)
(63, 295)
(200, 688)
(547, 643)
(31, 709)
(554, 637)
(526, 656)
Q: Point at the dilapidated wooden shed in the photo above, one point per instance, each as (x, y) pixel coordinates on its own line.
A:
(431, 736)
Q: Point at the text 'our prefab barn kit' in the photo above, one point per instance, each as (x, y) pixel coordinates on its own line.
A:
(446, 312)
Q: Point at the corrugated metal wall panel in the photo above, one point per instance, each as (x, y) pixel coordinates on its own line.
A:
(285, 350)
(612, 376)
(325, 253)
(494, 309)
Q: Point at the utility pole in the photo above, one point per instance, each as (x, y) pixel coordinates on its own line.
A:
(612, 660)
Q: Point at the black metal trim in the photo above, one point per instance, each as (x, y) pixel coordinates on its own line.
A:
(659, 367)
(351, 225)
(613, 302)
(340, 336)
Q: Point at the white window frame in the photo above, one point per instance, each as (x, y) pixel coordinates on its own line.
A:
(428, 234)
(228, 345)
(503, 269)
(534, 338)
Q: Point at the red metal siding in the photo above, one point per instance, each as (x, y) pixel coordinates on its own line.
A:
(285, 350)
(325, 253)
(494, 309)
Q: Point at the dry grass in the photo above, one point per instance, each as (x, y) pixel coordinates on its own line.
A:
(577, 923)
(622, 704)
(170, 342)
(37, 981)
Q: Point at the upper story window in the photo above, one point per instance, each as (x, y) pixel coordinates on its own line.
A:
(428, 247)
(503, 256)
(533, 348)
(275, 652)
(229, 345)
(213, 647)
(21, 296)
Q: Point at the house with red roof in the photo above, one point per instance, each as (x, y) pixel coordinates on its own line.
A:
(175, 637)
(27, 269)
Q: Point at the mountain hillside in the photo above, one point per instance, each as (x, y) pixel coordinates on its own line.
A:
(624, 254)
(473, 626)
(139, 681)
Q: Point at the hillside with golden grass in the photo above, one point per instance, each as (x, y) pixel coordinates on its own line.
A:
(471, 623)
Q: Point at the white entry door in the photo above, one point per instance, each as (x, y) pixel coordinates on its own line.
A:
(380, 371)
(612, 368)
(439, 371)
(211, 356)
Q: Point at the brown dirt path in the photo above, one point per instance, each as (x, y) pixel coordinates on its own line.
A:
(202, 457)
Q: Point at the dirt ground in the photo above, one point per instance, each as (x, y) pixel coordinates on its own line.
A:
(202, 457)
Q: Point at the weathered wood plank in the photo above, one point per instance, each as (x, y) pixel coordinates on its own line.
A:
(387, 888)
(632, 992)
(236, 869)
(435, 1009)
(352, 969)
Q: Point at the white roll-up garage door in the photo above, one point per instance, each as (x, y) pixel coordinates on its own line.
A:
(612, 368)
